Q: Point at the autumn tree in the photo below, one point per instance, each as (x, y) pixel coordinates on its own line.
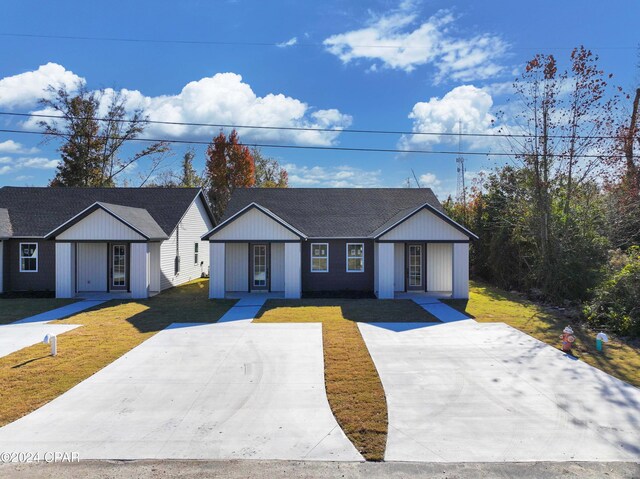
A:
(92, 143)
(229, 165)
(268, 172)
(189, 176)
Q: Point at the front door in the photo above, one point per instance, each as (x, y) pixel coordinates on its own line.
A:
(118, 267)
(259, 267)
(415, 269)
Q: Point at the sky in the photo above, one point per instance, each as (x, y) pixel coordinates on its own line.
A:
(402, 66)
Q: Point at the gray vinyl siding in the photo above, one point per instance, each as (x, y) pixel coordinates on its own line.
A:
(191, 228)
(42, 280)
(337, 279)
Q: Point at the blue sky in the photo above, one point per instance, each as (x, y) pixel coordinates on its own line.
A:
(392, 65)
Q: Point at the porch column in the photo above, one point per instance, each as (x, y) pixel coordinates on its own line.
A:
(292, 271)
(1, 265)
(65, 270)
(140, 270)
(216, 270)
(460, 270)
(386, 270)
(154, 267)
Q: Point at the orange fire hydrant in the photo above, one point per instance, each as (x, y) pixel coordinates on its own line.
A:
(567, 339)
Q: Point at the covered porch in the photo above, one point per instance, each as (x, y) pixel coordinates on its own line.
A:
(108, 250)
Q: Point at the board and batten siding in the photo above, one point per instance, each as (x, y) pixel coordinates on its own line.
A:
(398, 265)
(99, 225)
(92, 267)
(236, 267)
(189, 231)
(424, 226)
(254, 225)
(277, 267)
(439, 266)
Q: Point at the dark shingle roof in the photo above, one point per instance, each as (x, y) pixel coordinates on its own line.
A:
(37, 211)
(335, 212)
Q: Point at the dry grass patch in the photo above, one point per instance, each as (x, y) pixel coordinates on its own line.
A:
(30, 377)
(490, 304)
(15, 309)
(354, 390)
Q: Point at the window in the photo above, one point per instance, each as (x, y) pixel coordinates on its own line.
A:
(28, 257)
(319, 257)
(196, 247)
(355, 257)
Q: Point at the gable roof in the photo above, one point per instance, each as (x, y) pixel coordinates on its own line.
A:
(37, 211)
(337, 212)
(137, 219)
(248, 208)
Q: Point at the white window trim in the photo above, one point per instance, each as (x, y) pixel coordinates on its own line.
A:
(354, 257)
(36, 258)
(318, 257)
(196, 253)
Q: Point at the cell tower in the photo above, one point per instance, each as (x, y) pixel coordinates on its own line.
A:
(461, 191)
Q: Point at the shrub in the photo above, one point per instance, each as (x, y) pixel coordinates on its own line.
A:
(616, 302)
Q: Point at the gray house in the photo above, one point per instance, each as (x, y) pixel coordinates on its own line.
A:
(305, 240)
(131, 242)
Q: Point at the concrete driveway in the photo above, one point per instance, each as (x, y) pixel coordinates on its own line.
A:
(199, 391)
(463, 392)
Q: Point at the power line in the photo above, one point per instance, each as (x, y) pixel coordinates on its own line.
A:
(258, 44)
(309, 147)
(301, 128)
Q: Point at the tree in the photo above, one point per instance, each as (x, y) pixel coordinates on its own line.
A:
(229, 166)
(92, 146)
(189, 178)
(268, 172)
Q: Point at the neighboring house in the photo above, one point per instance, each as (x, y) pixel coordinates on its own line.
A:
(130, 241)
(305, 240)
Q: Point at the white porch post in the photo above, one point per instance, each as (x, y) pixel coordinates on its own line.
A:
(65, 270)
(140, 270)
(1, 265)
(292, 271)
(217, 269)
(460, 270)
(154, 267)
(386, 270)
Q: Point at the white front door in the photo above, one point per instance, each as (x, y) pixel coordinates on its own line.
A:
(119, 267)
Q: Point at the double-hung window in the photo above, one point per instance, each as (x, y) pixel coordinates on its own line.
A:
(196, 248)
(28, 257)
(319, 257)
(355, 257)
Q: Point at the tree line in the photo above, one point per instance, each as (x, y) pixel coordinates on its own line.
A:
(94, 126)
(561, 220)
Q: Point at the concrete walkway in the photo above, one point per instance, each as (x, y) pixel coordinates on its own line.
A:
(229, 390)
(29, 331)
(465, 392)
(443, 312)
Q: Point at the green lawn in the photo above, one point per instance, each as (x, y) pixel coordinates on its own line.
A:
(353, 386)
(14, 309)
(31, 377)
(490, 304)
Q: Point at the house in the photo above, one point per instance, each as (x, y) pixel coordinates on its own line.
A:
(309, 240)
(131, 242)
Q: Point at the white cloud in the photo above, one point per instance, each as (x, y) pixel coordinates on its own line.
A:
(11, 146)
(332, 177)
(25, 89)
(24, 177)
(225, 99)
(429, 180)
(399, 40)
(15, 164)
(289, 43)
(466, 104)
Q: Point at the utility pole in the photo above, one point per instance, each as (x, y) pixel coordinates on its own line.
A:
(461, 193)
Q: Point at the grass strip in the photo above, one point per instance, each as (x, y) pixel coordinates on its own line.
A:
(354, 389)
(15, 309)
